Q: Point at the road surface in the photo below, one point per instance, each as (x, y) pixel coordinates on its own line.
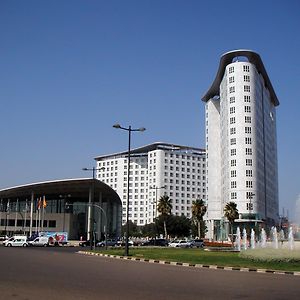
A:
(61, 273)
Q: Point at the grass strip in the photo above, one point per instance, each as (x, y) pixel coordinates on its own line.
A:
(205, 258)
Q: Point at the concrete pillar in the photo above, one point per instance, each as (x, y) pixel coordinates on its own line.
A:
(90, 216)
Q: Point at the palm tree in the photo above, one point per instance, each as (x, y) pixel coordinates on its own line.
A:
(164, 207)
(198, 211)
(231, 213)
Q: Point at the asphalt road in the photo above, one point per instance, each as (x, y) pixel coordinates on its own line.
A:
(61, 273)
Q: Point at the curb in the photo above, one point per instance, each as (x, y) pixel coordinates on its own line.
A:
(214, 267)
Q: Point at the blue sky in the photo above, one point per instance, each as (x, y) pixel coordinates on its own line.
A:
(69, 70)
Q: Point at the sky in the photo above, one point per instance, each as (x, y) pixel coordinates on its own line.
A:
(69, 70)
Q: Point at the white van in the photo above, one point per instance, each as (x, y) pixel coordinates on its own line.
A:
(16, 241)
(39, 241)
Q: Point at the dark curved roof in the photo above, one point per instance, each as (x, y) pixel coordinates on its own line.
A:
(226, 59)
(78, 188)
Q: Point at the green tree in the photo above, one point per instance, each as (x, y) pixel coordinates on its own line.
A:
(134, 229)
(231, 213)
(198, 211)
(178, 226)
(149, 230)
(164, 207)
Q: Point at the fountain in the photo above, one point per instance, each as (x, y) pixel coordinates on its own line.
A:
(291, 239)
(244, 239)
(238, 239)
(263, 239)
(252, 239)
(274, 237)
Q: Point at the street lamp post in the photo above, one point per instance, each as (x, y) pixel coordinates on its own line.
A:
(129, 129)
(92, 203)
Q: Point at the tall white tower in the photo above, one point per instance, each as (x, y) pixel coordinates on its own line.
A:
(241, 142)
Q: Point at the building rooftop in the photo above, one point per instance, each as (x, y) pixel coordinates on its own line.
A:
(226, 59)
(155, 146)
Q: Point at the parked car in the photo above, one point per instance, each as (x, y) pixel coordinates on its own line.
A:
(197, 243)
(110, 243)
(16, 241)
(122, 243)
(87, 243)
(156, 242)
(41, 241)
(180, 244)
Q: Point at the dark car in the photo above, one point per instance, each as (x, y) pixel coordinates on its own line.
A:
(109, 243)
(198, 243)
(156, 242)
(87, 243)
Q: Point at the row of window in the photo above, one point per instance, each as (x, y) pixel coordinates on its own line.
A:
(233, 131)
(248, 141)
(246, 68)
(248, 162)
(246, 79)
(248, 151)
(249, 195)
(248, 184)
(249, 173)
(247, 99)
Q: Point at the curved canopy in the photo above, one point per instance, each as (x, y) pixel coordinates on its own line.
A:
(226, 59)
(78, 188)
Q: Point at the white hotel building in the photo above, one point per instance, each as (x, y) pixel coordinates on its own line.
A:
(241, 142)
(155, 170)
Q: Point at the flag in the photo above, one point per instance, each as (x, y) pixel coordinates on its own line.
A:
(39, 203)
(44, 202)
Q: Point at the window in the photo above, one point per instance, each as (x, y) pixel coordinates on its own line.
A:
(249, 195)
(247, 88)
(246, 68)
(248, 141)
(233, 173)
(231, 79)
(249, 173)
(249, 184)
(248, 109)
(232, 130)
(249, 206)
(231, 70)
(52, 223)
(232, 120)
(247, 98)
(233, 184)
(233, 163)
(247, 119)
(232, 100)
(246, 78)
(233, 141)
(247, 129)
(232, 89)
(232, 152)
(233, 195)
(232, 110)
(248, 162)
(248, 151)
